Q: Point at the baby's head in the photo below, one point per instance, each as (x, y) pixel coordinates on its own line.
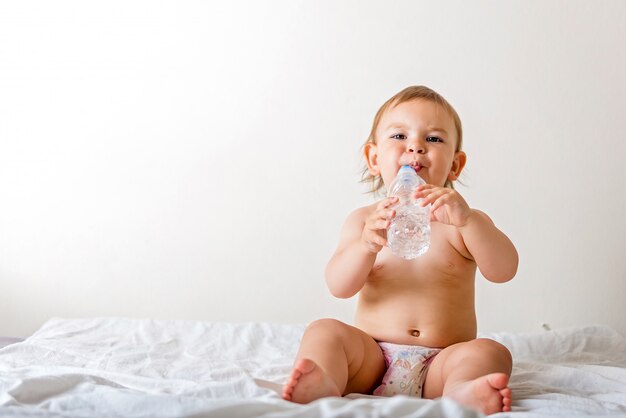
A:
(453, 140)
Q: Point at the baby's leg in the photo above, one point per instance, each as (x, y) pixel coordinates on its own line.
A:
(474, 373)
(334, 359)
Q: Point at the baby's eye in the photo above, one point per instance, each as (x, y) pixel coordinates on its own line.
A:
(398, 136)
(434, 139)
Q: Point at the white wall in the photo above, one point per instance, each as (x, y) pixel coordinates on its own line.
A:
(197, 159)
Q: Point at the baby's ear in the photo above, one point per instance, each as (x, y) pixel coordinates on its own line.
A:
(460, 158)
(370, 152)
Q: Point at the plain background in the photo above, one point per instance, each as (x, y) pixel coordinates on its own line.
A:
(197, 159)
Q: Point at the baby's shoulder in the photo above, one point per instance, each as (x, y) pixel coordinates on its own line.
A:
(360, 214)
(356, 219)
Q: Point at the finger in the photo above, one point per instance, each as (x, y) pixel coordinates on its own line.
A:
(377, 224)
(381, 224)
(424, 190)
(376, 239)
(425, 186)
(439, 202)
(387, 214)
(383, 214)
(433, 196)
(385, 203)
(434, 207)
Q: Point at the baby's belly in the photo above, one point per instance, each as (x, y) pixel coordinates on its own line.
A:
(413, 323)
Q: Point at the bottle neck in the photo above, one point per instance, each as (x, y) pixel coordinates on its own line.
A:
(404, 185)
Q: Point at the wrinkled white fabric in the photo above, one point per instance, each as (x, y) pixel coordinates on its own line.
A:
(148, 368)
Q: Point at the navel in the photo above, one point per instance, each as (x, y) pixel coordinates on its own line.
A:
(414, 332)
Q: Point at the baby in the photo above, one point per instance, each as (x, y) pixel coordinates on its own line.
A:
(415, 324)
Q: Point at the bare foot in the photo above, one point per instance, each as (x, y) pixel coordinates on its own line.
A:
(489, 394)
(308, 382)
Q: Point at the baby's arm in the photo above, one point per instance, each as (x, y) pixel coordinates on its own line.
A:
(363, 235)
(494, 253)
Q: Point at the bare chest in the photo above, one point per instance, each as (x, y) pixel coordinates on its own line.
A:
(442, 260)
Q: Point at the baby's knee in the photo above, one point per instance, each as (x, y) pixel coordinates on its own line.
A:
(494, 348)
(326, 325)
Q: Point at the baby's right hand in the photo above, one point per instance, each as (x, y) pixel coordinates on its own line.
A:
(374, 235)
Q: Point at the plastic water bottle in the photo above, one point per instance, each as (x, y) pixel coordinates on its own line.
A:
(408, 235)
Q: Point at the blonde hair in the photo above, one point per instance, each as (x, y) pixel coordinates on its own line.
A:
(408, 94)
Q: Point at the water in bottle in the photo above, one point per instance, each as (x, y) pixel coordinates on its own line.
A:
(408, 235)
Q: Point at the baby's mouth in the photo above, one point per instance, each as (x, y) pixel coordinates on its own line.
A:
(417, 167)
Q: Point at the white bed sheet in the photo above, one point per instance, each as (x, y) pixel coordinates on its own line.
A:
(148, 368)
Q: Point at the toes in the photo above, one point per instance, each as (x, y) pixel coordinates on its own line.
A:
(287, 393)
(291, 384)
(288, 389)
(293, 378)
(506, 399)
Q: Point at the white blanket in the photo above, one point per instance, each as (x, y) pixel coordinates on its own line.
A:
(145, 368)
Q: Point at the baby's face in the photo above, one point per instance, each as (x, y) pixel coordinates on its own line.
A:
(419, 133)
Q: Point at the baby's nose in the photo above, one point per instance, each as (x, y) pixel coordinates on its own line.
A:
(415, 148)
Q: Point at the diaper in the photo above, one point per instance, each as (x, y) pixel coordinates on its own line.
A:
(406, 369)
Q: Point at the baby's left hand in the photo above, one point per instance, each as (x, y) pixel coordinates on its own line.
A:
(448, 206)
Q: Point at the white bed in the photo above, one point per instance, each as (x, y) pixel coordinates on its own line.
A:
(147, 368)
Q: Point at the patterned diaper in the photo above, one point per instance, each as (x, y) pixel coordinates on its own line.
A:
(406, 369)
